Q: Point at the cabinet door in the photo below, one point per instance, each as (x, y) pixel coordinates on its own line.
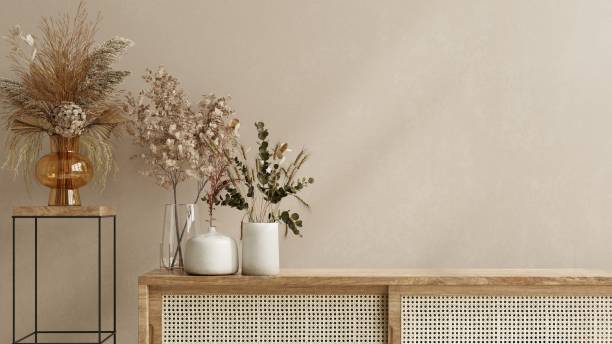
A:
(506, 319)
(233, 318)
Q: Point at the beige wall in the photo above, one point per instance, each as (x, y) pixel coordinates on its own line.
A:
(443, 134)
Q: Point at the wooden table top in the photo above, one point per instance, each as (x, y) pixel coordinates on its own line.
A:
(379, 277)
(63, 211)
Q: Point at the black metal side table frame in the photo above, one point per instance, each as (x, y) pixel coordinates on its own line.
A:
(103, 335)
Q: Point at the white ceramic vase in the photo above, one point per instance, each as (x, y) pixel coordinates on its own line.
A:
(260, 249)
(211, 253)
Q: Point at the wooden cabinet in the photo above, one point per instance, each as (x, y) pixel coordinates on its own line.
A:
(378, 306)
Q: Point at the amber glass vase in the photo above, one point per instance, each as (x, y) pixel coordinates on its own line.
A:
(64, 170)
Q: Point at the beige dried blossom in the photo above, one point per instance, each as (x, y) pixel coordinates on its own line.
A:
(68, 120)
(216, 134)
(164, 125)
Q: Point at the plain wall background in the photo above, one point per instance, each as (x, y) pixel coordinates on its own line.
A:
(442, 133)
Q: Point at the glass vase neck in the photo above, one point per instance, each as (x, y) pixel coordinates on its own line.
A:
(60, 143)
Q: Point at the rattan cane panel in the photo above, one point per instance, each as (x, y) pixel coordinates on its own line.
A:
(506, 319)
(274, 319)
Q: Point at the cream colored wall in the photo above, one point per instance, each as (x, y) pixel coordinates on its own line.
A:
(443, 134)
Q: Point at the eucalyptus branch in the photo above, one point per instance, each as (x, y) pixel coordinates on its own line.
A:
(267, 182)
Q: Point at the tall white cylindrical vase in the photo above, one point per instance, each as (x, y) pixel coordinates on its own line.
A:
(260, 249)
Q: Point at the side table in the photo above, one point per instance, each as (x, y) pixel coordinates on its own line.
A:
(70, 212)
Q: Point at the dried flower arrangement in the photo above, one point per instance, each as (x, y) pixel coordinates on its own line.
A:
(263, 186)
(65, 86)
(179, 142)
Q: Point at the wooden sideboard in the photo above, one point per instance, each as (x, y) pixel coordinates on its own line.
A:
(378, 306)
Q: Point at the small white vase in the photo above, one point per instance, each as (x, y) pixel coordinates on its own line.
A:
(211, 253)
(260, 249)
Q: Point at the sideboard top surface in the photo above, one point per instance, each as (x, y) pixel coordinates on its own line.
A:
(63, 211)
(390, 277)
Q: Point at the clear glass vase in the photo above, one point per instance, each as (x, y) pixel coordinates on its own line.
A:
(180, 224)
